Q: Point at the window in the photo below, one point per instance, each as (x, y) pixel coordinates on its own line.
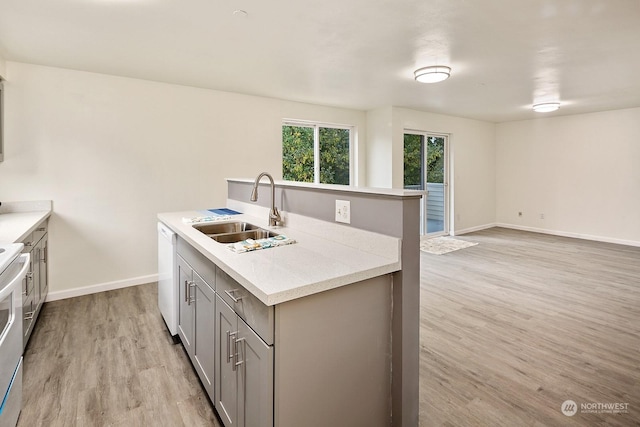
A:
(313, 152)
(413, 163)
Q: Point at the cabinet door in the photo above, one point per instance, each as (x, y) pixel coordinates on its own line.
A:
(44, 282)
(28, 311)
(37, 290)
(185, 307)
(35, 253)
(226, 386)
(203, 353)
(255, 379)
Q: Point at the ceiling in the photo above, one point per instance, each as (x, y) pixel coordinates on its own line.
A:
(505, 55)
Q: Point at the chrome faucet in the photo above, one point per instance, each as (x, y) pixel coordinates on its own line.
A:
(274, 215)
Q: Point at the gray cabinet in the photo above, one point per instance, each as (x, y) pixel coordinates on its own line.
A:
(43, 279)
(226, 390)
(196, 316)
(244, 372)
(36, 284)
(204, 321)
(185, 309)
(255, 379)
(228, 334)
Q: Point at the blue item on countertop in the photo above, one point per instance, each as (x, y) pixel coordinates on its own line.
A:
(211, 215)
(224, 211)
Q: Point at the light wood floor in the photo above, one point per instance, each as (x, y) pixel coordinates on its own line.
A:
(510, 329)
(107, 359)
(513, 327)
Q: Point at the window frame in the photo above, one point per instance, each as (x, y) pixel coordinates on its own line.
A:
(316, 146)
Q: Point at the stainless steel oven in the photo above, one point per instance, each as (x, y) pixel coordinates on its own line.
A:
(13, 269)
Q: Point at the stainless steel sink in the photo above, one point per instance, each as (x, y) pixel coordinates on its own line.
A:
(232, 232)
(225, 227)
(243, 235)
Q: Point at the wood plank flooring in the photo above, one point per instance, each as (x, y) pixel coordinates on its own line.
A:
(107, 360)
(513, 327)
(510, 329)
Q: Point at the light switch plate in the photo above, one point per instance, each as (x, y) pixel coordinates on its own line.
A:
(343, 211)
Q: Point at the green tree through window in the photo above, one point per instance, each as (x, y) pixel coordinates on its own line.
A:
(414, 148)
(298, 154)
(412, 161)
(435, 159)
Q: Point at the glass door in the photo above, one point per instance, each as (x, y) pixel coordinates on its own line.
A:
(425, 168)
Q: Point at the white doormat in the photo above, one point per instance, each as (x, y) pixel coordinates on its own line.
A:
(443, 245)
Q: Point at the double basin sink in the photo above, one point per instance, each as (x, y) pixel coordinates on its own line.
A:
(232, 232)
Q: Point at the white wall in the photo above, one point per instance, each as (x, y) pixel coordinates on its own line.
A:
(472, 152)
(379, 148)
(3, 68)
(112, 152)
(582, 172)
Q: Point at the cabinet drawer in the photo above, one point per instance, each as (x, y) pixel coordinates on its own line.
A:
(29, 243)
(257, 315)
(200, 263)
(40, 231)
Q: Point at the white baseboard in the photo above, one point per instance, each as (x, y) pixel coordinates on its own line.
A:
(472, 229)
(101, 287)
(569, 234)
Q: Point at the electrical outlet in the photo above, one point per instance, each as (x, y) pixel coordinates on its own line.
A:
(519, 213)
(343, 211)
(541, 216)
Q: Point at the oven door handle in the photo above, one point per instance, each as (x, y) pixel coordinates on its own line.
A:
(6, 290)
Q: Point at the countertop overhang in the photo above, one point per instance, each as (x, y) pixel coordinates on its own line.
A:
(19, 219)
(315, 263)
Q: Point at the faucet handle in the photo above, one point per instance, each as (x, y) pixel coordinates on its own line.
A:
(275, 217)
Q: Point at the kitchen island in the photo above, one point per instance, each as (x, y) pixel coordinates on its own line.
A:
(309, 333)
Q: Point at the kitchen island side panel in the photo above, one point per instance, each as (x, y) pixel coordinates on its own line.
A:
(406, 321)
(333, 358)
(392, 212)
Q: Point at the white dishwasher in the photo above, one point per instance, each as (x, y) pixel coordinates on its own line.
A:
(167, 280)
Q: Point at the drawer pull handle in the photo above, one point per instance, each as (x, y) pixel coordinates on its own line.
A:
(229, 336)
(40, 229)
(232, 296)
(29, 315)
(187, 291)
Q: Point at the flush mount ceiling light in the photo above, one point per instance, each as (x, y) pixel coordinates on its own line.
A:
(547, 107)
(433, 74)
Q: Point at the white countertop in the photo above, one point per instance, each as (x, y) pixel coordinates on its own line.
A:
(313, 264)
(18, 219)
(394, 192)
